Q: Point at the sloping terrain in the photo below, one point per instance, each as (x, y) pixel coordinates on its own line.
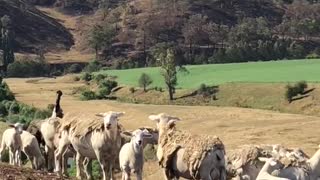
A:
(34, 29)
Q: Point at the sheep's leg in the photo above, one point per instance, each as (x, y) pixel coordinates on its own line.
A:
(139, 175)
(65, 163)
(79, 164)
(62, 147)
(18, 157)
(11, 157)
(50, 158)
(103, 165)
(2, 148)
(88, 168)
(167, 175)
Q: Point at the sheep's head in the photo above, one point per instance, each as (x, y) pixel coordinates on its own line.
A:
(18, 127)
(164, 120)
(139, 135)
(110, 119)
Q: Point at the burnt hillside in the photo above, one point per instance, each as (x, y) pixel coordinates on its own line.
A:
(34, 29)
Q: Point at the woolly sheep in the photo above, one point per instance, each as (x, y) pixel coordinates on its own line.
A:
(102, 143)
(11, 139)
(131, 155)
(205, 154)
(270, 165)
(31, 148)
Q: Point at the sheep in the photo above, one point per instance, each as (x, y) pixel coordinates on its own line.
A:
(243, 163)
(131, 155)
(11, 139)
(189, 156)
(31, 148)
(308, 171)
(101, 141)
(46, 133)
(270, 166)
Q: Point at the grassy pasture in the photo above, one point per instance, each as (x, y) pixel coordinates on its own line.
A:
(253, 72)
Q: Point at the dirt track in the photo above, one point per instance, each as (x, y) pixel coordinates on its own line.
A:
(235, 126)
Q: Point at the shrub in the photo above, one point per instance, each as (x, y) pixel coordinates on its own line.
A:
(76, 78)
(99, 77)
(132, 90)
(3, 110)
(93, 66)
(56, 73)
(290, 93)
(205, 90)
(109, 84)
(144, 81)
(313, 56)
(14, 108)
(28, 68)
(86, 76)
(301, 86)
(103, 92)
(74, 68)
(88, 95)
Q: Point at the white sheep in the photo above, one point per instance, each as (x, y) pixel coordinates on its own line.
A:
(266, 171)
(186, 155)
(31, 148)
(131, 155)
(102, 142)
(11, 139)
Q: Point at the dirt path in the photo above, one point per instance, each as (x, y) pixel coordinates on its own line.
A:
(235, 126)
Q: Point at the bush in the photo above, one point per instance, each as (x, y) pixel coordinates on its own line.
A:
(74, 68)
(5, 92)
(86, 76)
(93, 66)
(88, 95)
(205, 90)
(292, 91)
(28, 68)
(301, 86)
(313, 56)
(76, 78)
(56, 73)
(99, 77)
(3, 110)
(144, 81)
(132, 90)
(103, 92)
(14, 108)
(108, 84)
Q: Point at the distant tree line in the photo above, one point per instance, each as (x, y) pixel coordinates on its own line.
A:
(199, 40)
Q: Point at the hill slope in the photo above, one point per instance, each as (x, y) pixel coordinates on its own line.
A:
(33, 29)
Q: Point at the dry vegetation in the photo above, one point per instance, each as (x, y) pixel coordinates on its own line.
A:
(78, 27)
(235, 126)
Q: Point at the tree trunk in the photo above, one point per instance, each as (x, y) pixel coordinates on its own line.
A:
(170, 93)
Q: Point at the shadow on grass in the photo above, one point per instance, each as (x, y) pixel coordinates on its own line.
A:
(308, 91)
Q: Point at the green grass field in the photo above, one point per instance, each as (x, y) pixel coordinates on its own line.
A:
(260, 72)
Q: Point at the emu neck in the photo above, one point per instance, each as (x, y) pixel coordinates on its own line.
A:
(315, 163)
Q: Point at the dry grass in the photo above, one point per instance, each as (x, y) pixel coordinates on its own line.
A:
(77, 53)
(235, 126)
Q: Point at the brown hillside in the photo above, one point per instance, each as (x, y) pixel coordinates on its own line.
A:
(33, 29)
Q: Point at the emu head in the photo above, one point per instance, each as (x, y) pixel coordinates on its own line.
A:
(110, 119)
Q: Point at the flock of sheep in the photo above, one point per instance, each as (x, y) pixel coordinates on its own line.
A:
(179, 153)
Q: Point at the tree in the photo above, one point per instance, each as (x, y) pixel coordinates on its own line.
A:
(168, 70)
(144, 81)
(7, 42)
(101, 37)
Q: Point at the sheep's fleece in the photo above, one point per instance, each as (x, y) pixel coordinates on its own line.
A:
(196, 148)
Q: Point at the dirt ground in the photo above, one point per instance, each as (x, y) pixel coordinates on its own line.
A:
(235, 126)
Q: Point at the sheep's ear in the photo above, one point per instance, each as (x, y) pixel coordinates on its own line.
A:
(154, 118)
(11, 125)
(172, 120)
(147, 134)
(101, 114)
(273, 163)
(262, 159)
(118, 114)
